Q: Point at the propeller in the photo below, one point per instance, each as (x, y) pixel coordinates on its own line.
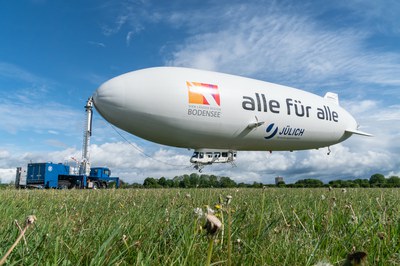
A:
(256, 124)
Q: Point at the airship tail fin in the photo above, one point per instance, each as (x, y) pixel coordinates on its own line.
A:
(358, 132)
(333, 97)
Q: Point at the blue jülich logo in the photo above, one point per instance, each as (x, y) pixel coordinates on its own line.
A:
(271, 131)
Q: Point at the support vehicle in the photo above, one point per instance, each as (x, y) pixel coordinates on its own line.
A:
(58, 175)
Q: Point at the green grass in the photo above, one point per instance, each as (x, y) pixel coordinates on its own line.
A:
(158, 227)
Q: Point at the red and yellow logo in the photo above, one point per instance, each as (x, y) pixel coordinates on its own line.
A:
(202, 93)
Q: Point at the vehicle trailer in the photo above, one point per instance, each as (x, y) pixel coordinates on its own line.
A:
(52, 175)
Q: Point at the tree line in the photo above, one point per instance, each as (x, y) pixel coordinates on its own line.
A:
(195, 180)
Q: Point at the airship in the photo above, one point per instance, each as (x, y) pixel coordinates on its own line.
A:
(217, 114)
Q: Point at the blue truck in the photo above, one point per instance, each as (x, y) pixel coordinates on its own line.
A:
(62, 176)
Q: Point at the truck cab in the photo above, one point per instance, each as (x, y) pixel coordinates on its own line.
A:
(100, 172)
(100, 177)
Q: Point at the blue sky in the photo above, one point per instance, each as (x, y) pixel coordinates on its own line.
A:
(54, 54)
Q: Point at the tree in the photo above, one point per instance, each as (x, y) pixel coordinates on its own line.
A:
(377, 180)
(213, 181)
(241, 184)
(309, 182)
(281, 184)
(257, 185)
(336, 183)
(185, 182)
(226, 182)
(177, 180)
(170, 183)
(194, 180)
(162, 182)
(204, 181)
(123, 184)
(362, 182)
(393, 181)
(150, 182)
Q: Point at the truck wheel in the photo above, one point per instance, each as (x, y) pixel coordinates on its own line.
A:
(64, 184)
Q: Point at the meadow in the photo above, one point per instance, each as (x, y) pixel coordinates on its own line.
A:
(272, 226)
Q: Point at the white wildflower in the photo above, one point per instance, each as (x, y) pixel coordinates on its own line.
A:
(228, 199)
(209, 210)
(323, 263)
(198, 212)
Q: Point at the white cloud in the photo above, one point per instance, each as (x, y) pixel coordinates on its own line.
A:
(132, 33)
(118, 23)
(40, 117)
(4, 154)
(14, 72)
(382, 16)
(29, 107)
(360, 107)
(129, 37)
(344, 161)
(134, 163)
(265, 161)
(7, 175)
(285, 47)
(97, 44)
(299, 44)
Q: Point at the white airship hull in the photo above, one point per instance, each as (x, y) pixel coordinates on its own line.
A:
(196, 109)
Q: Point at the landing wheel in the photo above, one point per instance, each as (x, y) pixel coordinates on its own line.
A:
(199, 167)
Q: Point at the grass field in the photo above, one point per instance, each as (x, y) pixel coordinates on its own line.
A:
(159, 227)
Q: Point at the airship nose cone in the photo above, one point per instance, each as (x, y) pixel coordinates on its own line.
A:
(109, 99)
